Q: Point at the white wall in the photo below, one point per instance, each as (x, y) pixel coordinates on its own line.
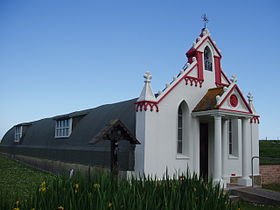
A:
(157, 132)
(233, 163)
(254, 128)
(160, 131)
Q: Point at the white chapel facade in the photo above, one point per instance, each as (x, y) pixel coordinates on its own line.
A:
(200, 122)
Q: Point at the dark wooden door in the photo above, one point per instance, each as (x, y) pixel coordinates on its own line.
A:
(204, 150)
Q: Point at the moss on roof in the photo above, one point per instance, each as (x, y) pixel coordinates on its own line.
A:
(209, 102)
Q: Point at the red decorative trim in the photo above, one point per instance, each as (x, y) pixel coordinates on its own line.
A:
(225, 76)
(238, 90)
(199, 65)
(143, 105)
(218, 75)
(221, 85)
(217, 50)
(194, 49)
(193, 80)
(200, 82)
(191, 69)
(193, 52)
(171, 89)
(255, 119)
(234, 111)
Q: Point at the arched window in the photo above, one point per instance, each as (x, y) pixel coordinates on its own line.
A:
(180, 131)
(207, 59)
(183, 123)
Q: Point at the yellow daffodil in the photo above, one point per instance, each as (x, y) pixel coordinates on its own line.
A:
(43, 183)
(76, 186)
(42, 189)
(110, 204)
(17, 203)
(60, 208)
(96, 186)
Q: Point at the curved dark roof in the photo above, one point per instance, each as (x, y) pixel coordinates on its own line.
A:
(87, 125)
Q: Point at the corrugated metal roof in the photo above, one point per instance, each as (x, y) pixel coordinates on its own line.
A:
(41, 133)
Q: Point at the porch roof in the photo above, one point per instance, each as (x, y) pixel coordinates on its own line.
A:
(209, 102)
(208, 105)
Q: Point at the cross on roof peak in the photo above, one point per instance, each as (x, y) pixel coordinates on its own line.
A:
(205, 19)
(147, 76)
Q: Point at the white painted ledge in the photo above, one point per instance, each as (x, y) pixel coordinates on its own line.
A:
(233, 157)
(182, 157)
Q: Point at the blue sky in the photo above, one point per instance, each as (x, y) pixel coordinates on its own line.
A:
(59, 56)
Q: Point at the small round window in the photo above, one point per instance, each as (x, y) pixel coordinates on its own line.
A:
(233, 100)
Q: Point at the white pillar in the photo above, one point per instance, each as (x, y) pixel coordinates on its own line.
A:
(226, 177)
(217, 175)
(245, 179)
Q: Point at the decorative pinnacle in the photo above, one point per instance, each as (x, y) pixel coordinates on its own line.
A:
(250, 97)
(148, 77)
(218, 99)
(204, 19)
(225, 89)
(233, 79)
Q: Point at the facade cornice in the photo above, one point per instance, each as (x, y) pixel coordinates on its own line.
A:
(226, 113)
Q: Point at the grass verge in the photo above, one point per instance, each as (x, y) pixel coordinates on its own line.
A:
(23, 187)
(251, 206)
(18, 180)
(274, 187)
(269, 148)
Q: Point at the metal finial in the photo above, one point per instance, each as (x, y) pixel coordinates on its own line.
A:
(147, 76)
(204, 19)
(250, 97)
(233, 79)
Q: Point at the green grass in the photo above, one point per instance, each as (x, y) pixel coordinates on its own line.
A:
(274, 187)
(17, 179)
(102, 191)
(251, 206)
(21, 187)
(270, 148)
(22, 183)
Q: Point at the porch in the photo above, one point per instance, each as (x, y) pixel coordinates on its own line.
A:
(214, 126)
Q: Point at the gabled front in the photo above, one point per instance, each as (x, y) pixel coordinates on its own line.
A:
(208, 58)
(199, 122)
(234, 101)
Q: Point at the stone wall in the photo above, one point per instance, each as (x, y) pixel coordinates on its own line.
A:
(59, 167)
(270, 174)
